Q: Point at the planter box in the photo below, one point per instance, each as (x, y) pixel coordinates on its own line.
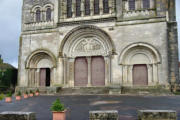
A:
(103, 115)
(157, 115)
(59, 115)
(17, 116)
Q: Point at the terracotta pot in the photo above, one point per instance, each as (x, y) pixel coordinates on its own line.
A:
(18, 97)
(31, 95)
(59, 115)
(37, 93)
(8, 99)
(25, 96)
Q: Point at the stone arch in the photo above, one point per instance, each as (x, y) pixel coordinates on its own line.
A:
(136, 57)
(37, 56)
(89, 43)
(144, 49)
(40, 66)
(90, 33)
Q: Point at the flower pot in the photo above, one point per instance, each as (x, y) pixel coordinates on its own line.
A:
(18, 97)
(37, 93)
(25, 96)
(8, 99)
(59, 115)
(31, 95)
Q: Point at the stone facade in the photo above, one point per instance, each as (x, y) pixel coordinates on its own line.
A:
(121, 47)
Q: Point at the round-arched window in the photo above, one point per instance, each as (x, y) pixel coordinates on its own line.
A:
(48, 14)
(38, 15)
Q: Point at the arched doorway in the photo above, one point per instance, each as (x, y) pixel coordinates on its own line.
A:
(97, 71)
(87, 52)
(40, 66)
(139, 62)
(140, 75)
(81, 72)
(45, 77)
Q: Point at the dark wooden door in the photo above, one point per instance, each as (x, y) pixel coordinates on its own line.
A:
(140, 75)
(98, 71)
(42, 81)
(81, 72)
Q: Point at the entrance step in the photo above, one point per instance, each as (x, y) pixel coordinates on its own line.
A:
(84, 91)
(150, 90)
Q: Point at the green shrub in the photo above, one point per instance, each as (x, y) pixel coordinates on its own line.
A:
(2, 96)
(18, 93)
(57, 106)
(37, 90)
(9, 94)
(26, 92)
(31, 92)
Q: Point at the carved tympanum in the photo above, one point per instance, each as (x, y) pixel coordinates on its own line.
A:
(88, 44)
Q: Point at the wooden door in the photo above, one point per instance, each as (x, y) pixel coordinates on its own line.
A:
(140, 75)
(98, 71)
(42, 81)
(81, 72)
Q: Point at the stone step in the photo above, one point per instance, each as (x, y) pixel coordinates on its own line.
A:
(145, 90)
(84, 91)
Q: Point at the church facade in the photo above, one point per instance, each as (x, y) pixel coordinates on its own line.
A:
(98, 43)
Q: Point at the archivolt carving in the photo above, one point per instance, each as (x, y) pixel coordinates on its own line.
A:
(139, 53)
(38, 57)
(87, 42)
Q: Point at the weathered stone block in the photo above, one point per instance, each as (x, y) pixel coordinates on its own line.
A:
(103, 115)
(157, 115)
(17, 116)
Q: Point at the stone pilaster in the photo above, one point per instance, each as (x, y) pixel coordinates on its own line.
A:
(173, 54)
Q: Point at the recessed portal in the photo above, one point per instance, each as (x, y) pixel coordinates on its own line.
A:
(98, 71)
(45, 76)
(81, 72)
(140, 75)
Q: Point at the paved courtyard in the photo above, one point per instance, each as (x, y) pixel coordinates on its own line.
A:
(79, 106)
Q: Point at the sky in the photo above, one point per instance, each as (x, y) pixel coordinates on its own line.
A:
(10, 29)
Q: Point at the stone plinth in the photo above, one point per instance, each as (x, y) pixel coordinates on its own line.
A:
(157, 115)
(103, 115)
(17, 116)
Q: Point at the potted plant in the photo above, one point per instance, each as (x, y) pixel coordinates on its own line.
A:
(1, 96)
(8, 98)
(58, 110)
(37, 92)
(26, 94)
(31, 94)
(18, 95)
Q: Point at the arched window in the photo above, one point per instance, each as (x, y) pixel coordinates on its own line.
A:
(131, 4)
(48, 14)
(69, 8)
(38, 15)
(105, 6)
(87, 7)
(78, 7)
(146, 4)
(96, 6)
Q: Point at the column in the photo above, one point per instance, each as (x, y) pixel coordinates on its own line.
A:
(71, 72)
(73, 8)
(82, 8)
(89, 71)
(91, 7)
(101, 7)
(107, 70)
(155, 74)
(65, 71)
(38, 77)
(150, 75)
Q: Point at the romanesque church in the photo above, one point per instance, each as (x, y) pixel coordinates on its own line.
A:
(98, 43)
